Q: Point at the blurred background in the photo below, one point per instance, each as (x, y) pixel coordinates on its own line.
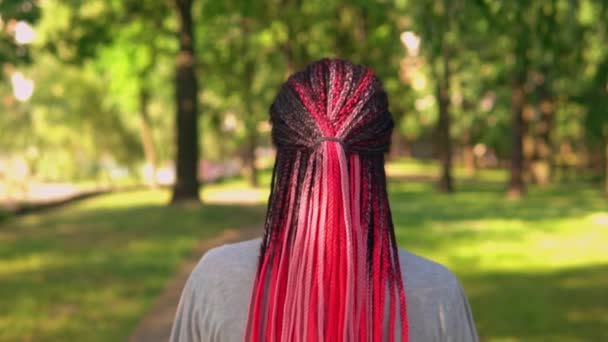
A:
(134, 132)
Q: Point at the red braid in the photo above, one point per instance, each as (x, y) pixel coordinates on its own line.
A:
(329, 251)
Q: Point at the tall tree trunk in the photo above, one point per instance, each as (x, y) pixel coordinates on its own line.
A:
(186, 186)
(293, 54)
(469, 159)
(397, 138)
(407, 147)
(542, 165)
(528, 142)
(146, 132)
(516, 185)
(250, 162)
(251, 142)
(443, 126)
(396, 144)
(606, 162)
(468, 155)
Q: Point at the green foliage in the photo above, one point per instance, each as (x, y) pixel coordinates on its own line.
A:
(68, 123)
(83, 28)
(12, 12)
(4, 214)
(246, 49)
(595, 87)
(126, 48)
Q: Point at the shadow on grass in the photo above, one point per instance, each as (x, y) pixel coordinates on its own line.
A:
(4, 215)
(91, 269)
(566, 305)
(477, 200)
(496, 246)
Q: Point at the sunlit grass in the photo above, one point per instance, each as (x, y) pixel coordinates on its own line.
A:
(410, 167)
(236, 190)
(407, 167)
(89, 271)
(534, 270)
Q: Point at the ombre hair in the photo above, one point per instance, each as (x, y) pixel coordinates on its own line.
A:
(328, 259)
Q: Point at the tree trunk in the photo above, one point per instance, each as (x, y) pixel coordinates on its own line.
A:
(406, 147)
(468, 155)
(186, 187)
(516, 185)
(252, 170)
(146, 133)
(528, 143)
(443, 127)
(542, 165)
(606, 164)
(396, 144)
(295, 55)
(250, 117)
(469, 160)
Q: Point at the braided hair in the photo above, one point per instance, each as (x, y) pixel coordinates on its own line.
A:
(328, 257)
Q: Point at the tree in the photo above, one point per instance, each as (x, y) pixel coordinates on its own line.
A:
(186, 186)
(136, 62)
(241, 43)
(92, 26)
(516, 187)
(556, 63)
(595, 92)
(509, 20)
(68, 124)
(438, 25)
(16, 16)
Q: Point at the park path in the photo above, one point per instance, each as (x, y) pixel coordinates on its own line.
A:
(53, 196)
(156, 324)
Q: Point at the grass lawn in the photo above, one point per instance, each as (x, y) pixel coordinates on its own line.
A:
(534, 270)
(89, 271)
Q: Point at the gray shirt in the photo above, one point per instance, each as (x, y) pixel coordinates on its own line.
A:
(214, 302)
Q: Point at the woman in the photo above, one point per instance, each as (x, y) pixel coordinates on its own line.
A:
(328, 267)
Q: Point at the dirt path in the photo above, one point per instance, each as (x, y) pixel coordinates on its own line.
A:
(68, 197)
(156, 324)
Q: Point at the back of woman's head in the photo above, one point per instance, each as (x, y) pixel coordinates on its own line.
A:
(332, 98)
(329, 260)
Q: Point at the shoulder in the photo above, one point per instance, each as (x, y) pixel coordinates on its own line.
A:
(422, 273)
(225, 262)
(216, 288)
(237, 252)
(438, 308)
(221, 282)
(236, 260)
